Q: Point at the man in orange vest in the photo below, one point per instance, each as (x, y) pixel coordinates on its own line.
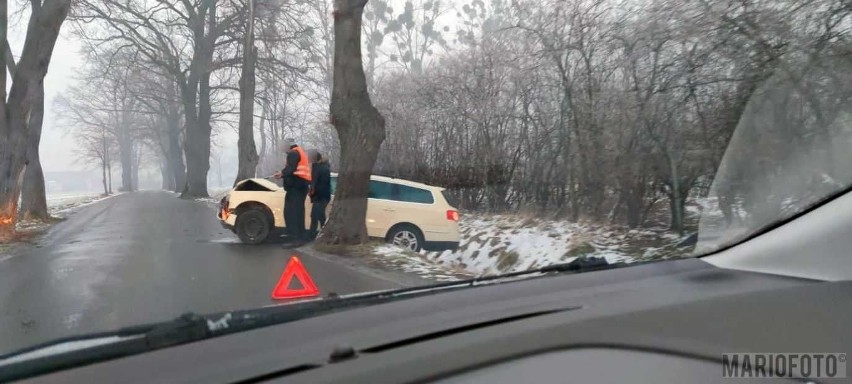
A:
(296, 177)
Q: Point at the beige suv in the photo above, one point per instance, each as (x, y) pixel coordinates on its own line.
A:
(409, 214)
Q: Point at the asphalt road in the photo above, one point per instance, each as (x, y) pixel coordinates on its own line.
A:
(149, 256)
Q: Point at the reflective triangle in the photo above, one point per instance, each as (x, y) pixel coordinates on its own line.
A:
(295, 268)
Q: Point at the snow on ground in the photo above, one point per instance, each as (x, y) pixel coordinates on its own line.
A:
(60, 206)
(63, 205)
(407, 261)
(508, 243)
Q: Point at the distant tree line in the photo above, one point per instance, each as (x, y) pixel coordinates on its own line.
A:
(608, 110)
(603, 110)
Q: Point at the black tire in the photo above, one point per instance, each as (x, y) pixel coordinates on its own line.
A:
(406, 236)
(253, 226)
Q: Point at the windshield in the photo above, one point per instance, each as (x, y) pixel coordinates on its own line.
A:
(789, 152)
(161, 157)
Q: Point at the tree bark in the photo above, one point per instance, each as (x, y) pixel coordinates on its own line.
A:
(33, 194)
(246, 149)
(42, 31)
(175, 155)
(134, 166)
(167, 181)
(197, 143)
(125, 152)
(196, 88)
(104, 176)
(677, 199)
(360, 128)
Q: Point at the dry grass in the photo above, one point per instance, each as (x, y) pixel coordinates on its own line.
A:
(579, 250)
(506, 260)
(10, 244)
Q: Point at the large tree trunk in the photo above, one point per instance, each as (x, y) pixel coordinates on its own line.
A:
(197, 163)
(134, 166)
(167, 181)
(109, 176)
(125, 152)
(262, 156)
(107, 163)
(677, 200)
(33, 195)
(247, 151)
(42, 32)
(8, 214)
(104, 176)
(360, 128)
(197, 89)
(197, 143)
(175, 155)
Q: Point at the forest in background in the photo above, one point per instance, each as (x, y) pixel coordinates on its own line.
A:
(600, 110)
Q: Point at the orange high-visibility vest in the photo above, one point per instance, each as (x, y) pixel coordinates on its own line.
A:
(303, 170)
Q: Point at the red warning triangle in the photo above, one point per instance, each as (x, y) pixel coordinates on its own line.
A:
(295, 267)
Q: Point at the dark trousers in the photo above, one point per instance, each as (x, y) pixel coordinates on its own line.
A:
(318, 216)
(294, 211)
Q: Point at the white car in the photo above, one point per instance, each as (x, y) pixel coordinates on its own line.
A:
(406, 213)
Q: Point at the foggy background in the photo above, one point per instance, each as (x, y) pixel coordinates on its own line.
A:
(64, 172)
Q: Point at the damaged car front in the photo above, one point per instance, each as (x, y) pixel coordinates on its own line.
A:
(252, 209)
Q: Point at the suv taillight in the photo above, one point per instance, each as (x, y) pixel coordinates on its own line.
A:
(453, 215)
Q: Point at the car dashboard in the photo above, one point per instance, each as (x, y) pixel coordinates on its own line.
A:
(646, 323)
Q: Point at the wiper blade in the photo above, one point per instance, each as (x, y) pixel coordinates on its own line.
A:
(77, 351)
(193, 327)
(578, 265)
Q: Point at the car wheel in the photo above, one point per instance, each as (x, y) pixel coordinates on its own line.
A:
(406, 236)
(252, 226)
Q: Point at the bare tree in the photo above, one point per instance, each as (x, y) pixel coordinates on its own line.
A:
(95, 145)
(360, 128)
(160, 32)
(247, 152)
(33, 194)
(42, 30)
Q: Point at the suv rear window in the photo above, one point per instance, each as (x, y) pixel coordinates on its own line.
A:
(452, 201)
(414, 195)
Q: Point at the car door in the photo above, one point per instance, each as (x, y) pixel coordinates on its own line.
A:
(380, 208)
(417, 206)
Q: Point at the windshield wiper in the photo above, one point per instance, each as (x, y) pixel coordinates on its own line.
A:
(192, 327)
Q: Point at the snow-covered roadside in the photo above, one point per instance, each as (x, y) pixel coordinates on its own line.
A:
(408, 261)
(507, 243)
(61, 206)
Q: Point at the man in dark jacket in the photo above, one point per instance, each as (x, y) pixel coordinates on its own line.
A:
(296, 178)
(320, 193)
